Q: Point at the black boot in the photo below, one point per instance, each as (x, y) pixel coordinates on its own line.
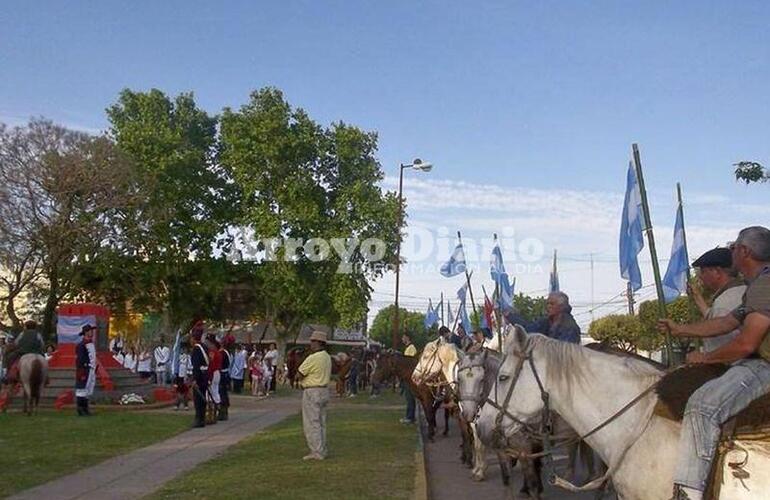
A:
(86, 410)
(79, 403)
(223, 413)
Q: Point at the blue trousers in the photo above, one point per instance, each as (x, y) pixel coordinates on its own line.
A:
(410, 403)
(713, 404)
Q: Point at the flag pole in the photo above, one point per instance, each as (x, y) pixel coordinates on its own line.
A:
(651, 241)
(499, 304)
(467, 276)
(442, 308)
(684, 234)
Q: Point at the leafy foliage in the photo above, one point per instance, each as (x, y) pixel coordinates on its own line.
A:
(412, 322)
(750, 171)
(622, 331)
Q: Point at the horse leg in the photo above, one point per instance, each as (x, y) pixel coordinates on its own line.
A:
(505, 468)
(479, 456)
(446, 421)
(587, 456)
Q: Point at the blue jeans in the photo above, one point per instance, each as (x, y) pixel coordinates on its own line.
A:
(410, 403)
(713, 404)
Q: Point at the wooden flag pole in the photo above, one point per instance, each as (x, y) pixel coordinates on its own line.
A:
(651, 241)
(467, 276)
(684, 233)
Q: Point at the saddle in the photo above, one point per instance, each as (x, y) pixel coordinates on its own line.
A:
(749, 431)
(675, 389)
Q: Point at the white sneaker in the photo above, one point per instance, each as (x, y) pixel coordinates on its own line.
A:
(312, 456)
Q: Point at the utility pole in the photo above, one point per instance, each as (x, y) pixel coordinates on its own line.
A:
(630, 297)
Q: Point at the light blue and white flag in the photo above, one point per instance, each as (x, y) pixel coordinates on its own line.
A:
(431, 316)
(631, 240)
(675, 280)
(175, 352)
(500, 277)
(466, 322)
(456, 263)
(462, 292)
(450, 319)
(553, 285)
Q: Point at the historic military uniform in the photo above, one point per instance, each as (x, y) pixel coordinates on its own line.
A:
(224, 382)
(85, 371)
(200, 365)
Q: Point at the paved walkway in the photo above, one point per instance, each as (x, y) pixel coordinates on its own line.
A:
(145, 470)
(448, 479)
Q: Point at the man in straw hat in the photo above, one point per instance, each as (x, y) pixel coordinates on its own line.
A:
(314, 374)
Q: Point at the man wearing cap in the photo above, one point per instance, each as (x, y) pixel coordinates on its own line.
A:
(85, 370)
(716, 272)
(28, 341)
(748, 352)
(314, 374)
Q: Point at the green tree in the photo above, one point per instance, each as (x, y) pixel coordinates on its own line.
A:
(184, 203)
(751, 171)
(412, 322)
(530, 308)
(299, 180)
(681, 310)
(623, 331)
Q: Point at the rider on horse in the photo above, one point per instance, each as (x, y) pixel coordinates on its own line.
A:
(29, 341)
(748, 355)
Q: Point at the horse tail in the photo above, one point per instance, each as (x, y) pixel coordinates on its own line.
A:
(35, 381)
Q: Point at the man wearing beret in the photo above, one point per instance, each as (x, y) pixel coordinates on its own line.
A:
(314, 374)
(716, 273)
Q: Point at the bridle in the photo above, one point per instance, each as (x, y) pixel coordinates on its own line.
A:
(436, 383)
(545, 432)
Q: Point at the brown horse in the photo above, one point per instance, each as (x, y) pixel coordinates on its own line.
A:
(341, 367)
(294, 359)
(395, 364)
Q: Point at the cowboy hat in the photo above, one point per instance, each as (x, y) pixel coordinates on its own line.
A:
(319, 336)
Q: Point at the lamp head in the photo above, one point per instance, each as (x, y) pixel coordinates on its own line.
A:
(418, 164)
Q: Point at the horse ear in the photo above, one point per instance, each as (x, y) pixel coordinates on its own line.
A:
(520, 335)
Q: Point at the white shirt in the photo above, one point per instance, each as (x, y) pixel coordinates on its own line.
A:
(161, 354)
(238, 365)
(145, 362)
(723, 305)
(129, 361)
(272, 357)
(185, 365)
(91, 355)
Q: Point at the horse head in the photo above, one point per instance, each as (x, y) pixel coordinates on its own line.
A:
(475, 376)
(516, 391)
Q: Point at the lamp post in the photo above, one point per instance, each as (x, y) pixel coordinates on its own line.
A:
(417, 164)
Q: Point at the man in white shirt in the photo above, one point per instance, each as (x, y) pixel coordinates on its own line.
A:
(237, 368)
(271, 356)
(162, 355)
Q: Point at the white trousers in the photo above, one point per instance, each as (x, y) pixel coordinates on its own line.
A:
(90, 384)
(214, 387)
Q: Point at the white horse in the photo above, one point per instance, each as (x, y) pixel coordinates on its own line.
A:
(441, 357)
(587, 388)
(33, 371)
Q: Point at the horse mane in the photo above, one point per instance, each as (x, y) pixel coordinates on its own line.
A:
(571, 363)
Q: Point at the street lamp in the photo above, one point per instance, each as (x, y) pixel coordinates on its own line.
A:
(421, 166)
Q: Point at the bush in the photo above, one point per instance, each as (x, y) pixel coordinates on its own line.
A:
(623, 331)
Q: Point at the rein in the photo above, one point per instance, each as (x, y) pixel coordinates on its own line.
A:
(545, 433)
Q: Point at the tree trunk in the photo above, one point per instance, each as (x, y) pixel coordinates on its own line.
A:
(48, 328)
(10, 310)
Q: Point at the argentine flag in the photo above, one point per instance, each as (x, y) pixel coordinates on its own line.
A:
(456, 263)
(466, 322)
(675, 280)
(431, 316)
(500, 277)
(631, 240)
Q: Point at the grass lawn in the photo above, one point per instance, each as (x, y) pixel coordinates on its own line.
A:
(386, 398)
(371, 456)
(53, 444)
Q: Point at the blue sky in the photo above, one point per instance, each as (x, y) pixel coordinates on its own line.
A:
(528, 109)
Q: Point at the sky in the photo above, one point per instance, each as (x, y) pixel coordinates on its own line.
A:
(527, 110)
